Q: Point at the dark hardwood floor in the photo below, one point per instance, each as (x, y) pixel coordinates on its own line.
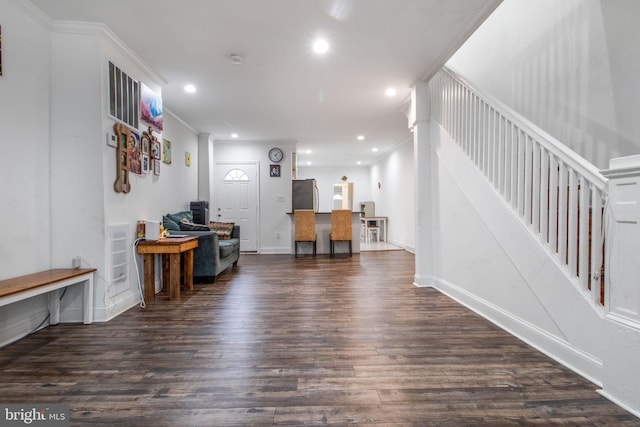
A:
(304, 341)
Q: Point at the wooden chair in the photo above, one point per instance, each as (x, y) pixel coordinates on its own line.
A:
(340, 228)
(305, 228)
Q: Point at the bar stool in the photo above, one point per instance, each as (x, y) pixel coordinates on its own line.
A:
(340, 228)
(305, 228)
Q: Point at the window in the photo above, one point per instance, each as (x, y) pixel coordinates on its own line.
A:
(124, 96)
(236, 175)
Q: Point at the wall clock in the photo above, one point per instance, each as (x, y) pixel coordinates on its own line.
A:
(276, 155)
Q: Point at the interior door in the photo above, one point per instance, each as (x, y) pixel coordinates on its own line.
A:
(236, 200)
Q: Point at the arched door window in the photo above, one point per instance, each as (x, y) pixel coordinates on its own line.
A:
(236, 175)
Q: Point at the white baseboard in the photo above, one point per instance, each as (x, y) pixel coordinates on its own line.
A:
(104, 314)
(582, 363)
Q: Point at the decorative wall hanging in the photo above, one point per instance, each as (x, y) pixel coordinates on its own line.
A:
(166, 151)
(156, 167)
(135, 154)
(274, 171)
(151, 107)
(187, 158)
(123, 134)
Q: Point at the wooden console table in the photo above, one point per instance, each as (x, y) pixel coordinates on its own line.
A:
(170, 248)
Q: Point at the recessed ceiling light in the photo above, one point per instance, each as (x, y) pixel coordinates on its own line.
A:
(390, 92)
(234, 135)
(308, 151)
(360, 137)
(308, 163)
(374, 149)
(190, 88)
(320, 46)
(359, 162)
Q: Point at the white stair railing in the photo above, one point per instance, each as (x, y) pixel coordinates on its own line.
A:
(556, 193)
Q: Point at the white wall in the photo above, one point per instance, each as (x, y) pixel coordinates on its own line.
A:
(570, 66)
(327, 176)
(24, 164)
(24, 138)
(395, 195)
(274, 226)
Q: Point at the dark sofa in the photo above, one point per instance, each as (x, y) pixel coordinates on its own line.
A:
(213, 255)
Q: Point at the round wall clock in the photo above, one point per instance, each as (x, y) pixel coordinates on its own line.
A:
(276, 155)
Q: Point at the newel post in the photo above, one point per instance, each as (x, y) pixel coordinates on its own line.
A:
(622, 241)
(621, 349)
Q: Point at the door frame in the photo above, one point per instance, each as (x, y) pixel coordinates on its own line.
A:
(258, 210)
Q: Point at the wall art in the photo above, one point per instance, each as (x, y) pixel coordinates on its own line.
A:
(166, 151)
(187, 158)
(274, 171)
(145, 163)
(134, 153)
(156, 167)
(150, 107)
(123, 134)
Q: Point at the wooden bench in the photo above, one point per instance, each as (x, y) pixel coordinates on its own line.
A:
(50, 282)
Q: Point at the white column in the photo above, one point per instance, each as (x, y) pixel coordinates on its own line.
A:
(419, 124)
(205, 168)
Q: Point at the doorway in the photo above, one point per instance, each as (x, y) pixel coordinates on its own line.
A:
(236, 200)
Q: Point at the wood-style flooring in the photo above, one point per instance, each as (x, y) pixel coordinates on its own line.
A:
(306, 341)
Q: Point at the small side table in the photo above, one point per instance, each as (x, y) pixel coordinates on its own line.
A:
(170, 248)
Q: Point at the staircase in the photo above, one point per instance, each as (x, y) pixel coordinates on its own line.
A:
(558, 195)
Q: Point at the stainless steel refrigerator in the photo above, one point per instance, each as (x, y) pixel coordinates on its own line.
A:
(304, 194)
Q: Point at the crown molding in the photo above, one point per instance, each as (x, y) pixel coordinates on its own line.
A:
(102, 30)
(34, 12)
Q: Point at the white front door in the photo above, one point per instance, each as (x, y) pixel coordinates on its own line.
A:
(236, 200)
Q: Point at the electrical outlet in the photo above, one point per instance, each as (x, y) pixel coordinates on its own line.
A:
(76, 262)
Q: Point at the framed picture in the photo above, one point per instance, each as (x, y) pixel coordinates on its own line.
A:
(134, 153)
(145, 163)
(156, 167)
(187, 159)
(166, 151)
(274, 171)
(155, 149)
(150, 107)
(146, 143)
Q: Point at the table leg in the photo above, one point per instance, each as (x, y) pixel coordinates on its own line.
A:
(149, 277)
(188, 269)
(166, 268)
(174, 277)
(53, 301)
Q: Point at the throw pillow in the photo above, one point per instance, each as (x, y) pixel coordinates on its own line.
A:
(222, 229)
(179, 216)
(186, 225)
(170, 224)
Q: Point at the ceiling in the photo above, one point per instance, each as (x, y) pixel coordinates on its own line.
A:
(283, 92)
